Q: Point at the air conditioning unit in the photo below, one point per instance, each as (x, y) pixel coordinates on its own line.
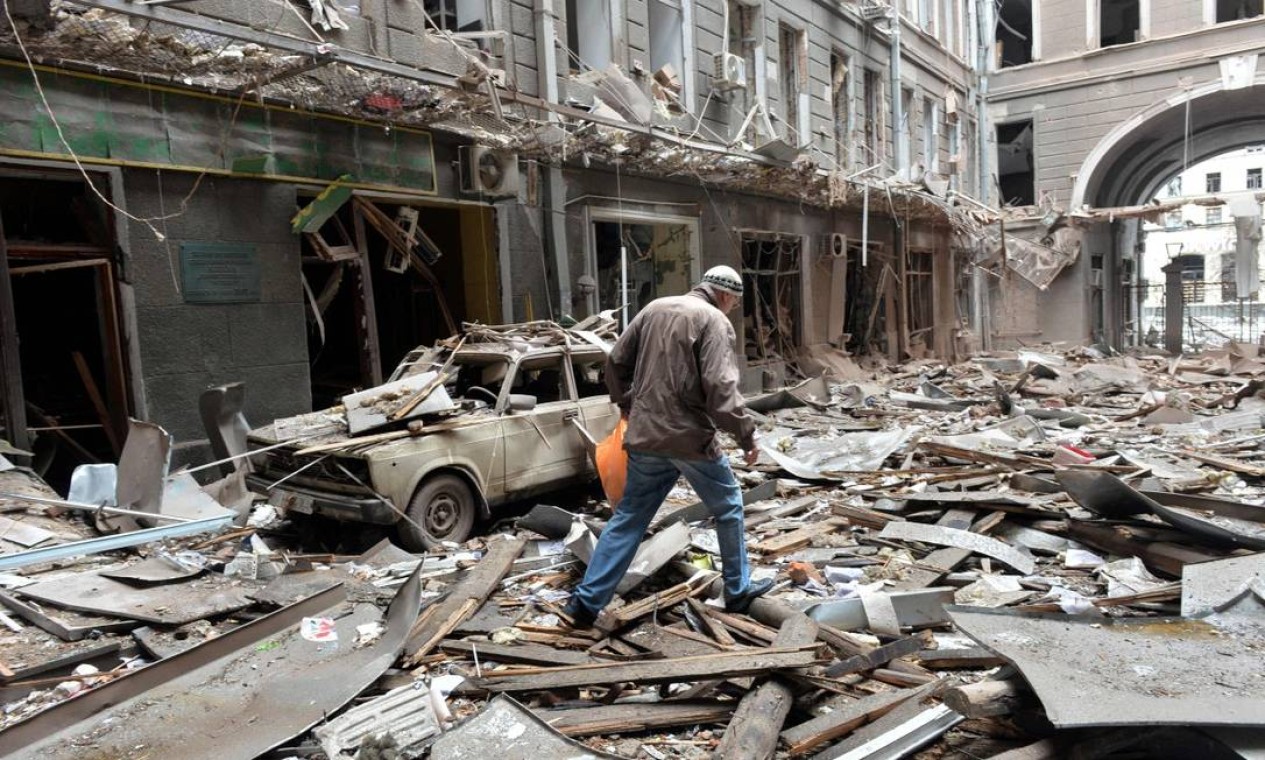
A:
(730, 71)
(837, 245)
(874, 10)
(488, 172)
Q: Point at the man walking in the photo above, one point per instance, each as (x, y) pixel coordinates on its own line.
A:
(674, 375)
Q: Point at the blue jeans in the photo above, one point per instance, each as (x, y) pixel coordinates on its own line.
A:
(650, 478)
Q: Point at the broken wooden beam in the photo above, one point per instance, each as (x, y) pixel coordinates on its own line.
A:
(440, 619)
(618, 719)
(721, 665)
(986, 698)
(875, 658)
(518, 654)
(835, 725)
(945, 659)
(752, 733)
(798, 539)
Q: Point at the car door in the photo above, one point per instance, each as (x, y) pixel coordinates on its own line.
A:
(542, 449)
(596, 410)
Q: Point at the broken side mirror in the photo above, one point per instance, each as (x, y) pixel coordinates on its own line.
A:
(521, 402)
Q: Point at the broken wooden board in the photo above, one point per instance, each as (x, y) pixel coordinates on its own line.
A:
(440, 619)
(875, 658)
(524, 654)
(617, 719)
(373, 408)
(171, 604)
(835, 725)
(720, 665)
(798, 539)
(961, 539)
(753, 731)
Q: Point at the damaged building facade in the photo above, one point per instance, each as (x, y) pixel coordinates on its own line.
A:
(463, 160)
(1095, 108)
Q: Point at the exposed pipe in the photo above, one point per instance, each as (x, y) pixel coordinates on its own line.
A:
(899, 143)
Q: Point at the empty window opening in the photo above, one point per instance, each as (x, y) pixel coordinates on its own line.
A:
(1236, 10)
(73, 380)
(920, 311)
(791, 48)
(1192, 268)
(1119, 22)
(931, 135)
(457, 15)
(1212, 183)
(588, 34)
(1254, 179)
(872, 117)
(839, 107)
(906, 124)
(660, 261)
(667, 40)
(1213, 216)
(771, 296)
(1014, 33)
(1016, 174)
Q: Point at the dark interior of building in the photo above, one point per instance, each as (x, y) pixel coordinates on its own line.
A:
(1014, 33)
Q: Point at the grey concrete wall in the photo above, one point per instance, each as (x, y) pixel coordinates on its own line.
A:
(184, 348)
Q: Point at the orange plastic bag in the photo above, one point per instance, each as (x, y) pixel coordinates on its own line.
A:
(612, 463)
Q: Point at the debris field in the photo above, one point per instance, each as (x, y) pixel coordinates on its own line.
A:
(1036, 554)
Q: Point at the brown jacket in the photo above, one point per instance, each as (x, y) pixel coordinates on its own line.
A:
(675, 373)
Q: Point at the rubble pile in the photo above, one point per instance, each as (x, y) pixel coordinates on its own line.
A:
(1029, 554)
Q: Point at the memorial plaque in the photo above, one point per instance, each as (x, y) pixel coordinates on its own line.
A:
(219, 272)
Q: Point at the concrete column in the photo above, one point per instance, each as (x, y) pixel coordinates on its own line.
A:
(1174, 308)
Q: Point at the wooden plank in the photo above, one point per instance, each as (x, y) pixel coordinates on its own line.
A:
(867, 518)
(660, 601)
(944, 659)
(719, 665)
(525, 654)
(98, 403)
(798, 539)
(618, 719)
(754, 519)
(931, 569)
(875, 657)
(465, 599)
(752, 733)
(712, 626)
(12, 399)
(835, 725)
(366, 311)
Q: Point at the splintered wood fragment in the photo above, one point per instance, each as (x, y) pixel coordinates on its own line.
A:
(866, 518)
(619, 719)
(525, 654)
(798, 539)
(945, 659)
(931, 569)
(986, 698)
(711, 625)
(897, 678)
(720, 665)
(1226, 463)
(875, 658)
(753, 732)
(743, 626)
(466, 598)
(835, 725)
(777, 513)
(660, 601)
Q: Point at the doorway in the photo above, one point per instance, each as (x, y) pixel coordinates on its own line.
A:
(71, 384)
(645, 257)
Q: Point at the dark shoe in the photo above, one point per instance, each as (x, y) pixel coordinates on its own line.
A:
(743, 601)
(580, 615)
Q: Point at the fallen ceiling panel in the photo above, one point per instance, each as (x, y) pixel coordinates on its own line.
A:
(1095, 671)
(237, 695)
(170, 604)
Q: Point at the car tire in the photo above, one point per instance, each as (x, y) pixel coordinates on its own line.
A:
(443, 509)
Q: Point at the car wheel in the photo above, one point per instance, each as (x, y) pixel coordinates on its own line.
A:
(441, 510)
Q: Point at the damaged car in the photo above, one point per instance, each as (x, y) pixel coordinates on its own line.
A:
(492, 416)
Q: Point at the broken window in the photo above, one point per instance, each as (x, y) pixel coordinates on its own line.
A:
(1213, 215)
(1236, 10)
(1192, 268)
(1016, 173)
(771, 296)
(1119, 22)
(667, 38)
(955, 156)
(1014, 33)
(590, 375)
(931, 134)
(457, 15)
(839, 107)
(1174, 187)
(1254, 179)
(541, 378)
(1172, 220)
(651, 259)
(792, 50)
(588, 34)
(1212, 183)
(920, 302)
(906, 122)
(872, 117)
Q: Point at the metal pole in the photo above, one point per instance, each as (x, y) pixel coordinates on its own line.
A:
(899, 144)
